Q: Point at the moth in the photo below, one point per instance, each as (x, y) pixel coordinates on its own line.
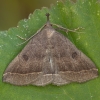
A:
(49, 58)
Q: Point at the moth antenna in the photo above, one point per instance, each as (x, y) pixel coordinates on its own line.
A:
(47, 14)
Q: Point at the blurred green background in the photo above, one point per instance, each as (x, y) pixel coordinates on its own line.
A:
(12, 11)
(83, 13)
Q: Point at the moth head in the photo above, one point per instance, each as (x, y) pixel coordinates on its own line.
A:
(48, 21)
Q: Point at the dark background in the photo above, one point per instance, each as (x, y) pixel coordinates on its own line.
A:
(12, 11)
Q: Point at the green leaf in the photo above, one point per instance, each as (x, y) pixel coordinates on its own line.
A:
(83, 13)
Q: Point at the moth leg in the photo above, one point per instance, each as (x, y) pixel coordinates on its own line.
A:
(26, 40)
(67, 30)
(21, 37)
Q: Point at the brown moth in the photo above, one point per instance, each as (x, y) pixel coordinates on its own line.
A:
(49, 57)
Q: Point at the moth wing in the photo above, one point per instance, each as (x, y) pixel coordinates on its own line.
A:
(72, 65)
(31, 65)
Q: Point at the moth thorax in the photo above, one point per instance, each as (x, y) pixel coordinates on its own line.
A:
(50, 33)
